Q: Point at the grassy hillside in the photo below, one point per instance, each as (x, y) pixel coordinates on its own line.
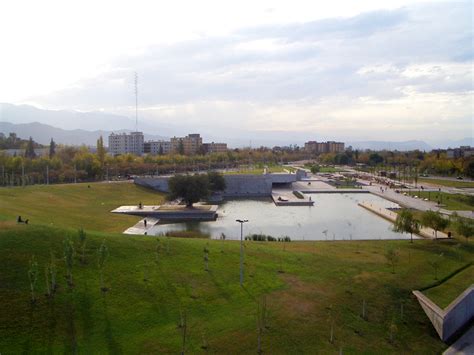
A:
(307, 285)
(75, 205)
(303, 282)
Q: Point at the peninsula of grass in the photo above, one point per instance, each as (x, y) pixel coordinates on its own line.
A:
(152, 282)
(448, 183)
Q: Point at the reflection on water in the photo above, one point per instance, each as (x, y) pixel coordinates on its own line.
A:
(333, 217)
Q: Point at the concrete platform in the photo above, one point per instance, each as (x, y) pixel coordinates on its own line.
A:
(287, 198)
(140, 229)
(392, 216)
(171, 212)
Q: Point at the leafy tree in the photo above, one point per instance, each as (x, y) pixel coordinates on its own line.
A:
(434, 220)
(191, 188)
(33, 277)
(463, 226)
(392, 257)
(101, 153)
(102, 255)
(69, 258)
(469, 171)
(375, 158)
(160, 150)
(406, 223)
(315, 168)
(52, 148)
(30, 149)
(216, 181)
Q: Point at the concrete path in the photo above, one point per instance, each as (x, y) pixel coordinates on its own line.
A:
(392, 216)
(464, 345)
(140, 228)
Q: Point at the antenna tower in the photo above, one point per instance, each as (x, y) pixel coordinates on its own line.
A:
(136, 102)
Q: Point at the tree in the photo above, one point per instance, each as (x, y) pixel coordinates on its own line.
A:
(191, 188)
(102, 254)
(375, 158)
(463, 226)
(82, 244)
(216, 181)
(101, 153)
(392, 257)
(160, 150)
(434, 220)
(33, 277)
(30, 149)
(315, 168)
(206, 258)
(52, 148)
(436, 263)
(406, 223)
(181, 147)
(69, 258)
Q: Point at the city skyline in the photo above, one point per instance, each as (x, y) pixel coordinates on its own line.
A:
(397, 71)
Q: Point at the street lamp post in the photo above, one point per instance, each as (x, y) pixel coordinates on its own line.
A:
(241, 221)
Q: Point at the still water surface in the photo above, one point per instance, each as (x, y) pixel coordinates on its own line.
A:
(333, 217)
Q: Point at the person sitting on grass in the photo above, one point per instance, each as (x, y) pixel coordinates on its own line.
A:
(19, 220)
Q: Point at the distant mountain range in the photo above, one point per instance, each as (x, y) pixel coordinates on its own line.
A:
(62, 125)
(43, 133)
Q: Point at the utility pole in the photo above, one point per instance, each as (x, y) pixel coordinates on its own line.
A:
(241, 221)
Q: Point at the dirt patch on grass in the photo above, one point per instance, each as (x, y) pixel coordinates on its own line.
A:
(301, 299)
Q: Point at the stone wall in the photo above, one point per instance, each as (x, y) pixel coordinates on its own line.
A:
(452, 319)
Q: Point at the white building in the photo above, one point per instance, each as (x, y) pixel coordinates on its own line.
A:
(124, 143)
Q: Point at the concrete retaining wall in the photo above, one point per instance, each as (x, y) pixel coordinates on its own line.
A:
(452, 319)
(239, 185)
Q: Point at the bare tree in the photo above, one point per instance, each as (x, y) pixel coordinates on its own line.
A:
(33, 277)
(102, 255)
(261, 321)
(393, 256)
(69, 259)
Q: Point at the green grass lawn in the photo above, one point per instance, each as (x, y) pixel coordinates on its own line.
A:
(303, 282)
(260, 170)
(76, 205)
(449, 290)
(448, 183)
(307, 285)
(450, 201)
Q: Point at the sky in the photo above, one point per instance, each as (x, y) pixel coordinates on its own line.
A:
(346, 70)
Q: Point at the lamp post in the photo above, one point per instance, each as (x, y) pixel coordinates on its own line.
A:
(241, 221)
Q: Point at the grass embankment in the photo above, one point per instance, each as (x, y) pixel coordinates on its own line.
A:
(448, 183)
(76, 205)
(449, 290)
(454, 202)
(302, 283)
(306, 284)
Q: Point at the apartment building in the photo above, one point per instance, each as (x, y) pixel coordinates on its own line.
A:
(126, 143)
(214, 147)
(191, 144)
(157, 147)
(324, 147)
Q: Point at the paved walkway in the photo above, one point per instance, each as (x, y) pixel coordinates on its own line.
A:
(140, 228)
(392, 216)
(464, 345)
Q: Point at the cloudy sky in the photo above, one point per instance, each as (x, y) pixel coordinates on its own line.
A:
(350, 70)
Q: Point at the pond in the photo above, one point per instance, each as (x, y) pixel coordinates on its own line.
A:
(333, 217)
